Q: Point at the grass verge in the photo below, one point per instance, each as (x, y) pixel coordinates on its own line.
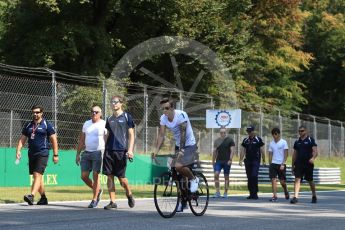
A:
(75, 193)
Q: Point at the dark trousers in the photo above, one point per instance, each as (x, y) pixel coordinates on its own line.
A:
(252, 171)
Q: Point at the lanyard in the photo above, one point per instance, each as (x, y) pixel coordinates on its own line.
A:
(34, 128)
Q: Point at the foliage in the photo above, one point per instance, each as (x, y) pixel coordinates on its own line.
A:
(285, 55)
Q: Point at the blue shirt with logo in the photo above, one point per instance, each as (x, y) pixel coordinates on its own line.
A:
(252, 146)
(38, 137)
(304, 149)
(118, 131)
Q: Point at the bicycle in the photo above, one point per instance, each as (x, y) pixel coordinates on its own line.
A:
(171, 189)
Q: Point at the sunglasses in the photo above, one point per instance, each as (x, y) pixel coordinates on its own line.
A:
(36, 112)
(115, 102)
(166, 108)
(301, 131)
(94, 112)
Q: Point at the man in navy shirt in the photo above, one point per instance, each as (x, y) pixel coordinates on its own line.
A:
(253, 151)
(119, 146)
(304, 155)
(38, 132)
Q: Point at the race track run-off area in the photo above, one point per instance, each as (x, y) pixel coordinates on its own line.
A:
(234, 212)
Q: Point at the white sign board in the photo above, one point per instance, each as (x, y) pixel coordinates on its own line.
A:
(223, 118)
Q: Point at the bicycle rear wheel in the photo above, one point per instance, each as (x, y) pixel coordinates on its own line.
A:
(198, 201)
(166, 195)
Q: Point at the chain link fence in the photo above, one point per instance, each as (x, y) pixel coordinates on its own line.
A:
(67, 100)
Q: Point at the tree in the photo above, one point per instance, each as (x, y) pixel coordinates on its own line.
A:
(325, 39)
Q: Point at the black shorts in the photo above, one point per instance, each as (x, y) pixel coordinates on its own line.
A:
(275, 171)
(37, 164)
(304, 171)
(115, 163)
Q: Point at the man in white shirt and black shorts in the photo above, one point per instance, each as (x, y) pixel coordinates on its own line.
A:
(185, 145)
(278, 153)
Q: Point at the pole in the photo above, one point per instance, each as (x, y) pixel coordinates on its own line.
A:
(342, 138)
(315, 128)
(11, 128)
(329, 138)
(212, 135)
(261, 121)
(104, 98)
(181, 101)
(280, 122)
(145, 119)
(54, 96)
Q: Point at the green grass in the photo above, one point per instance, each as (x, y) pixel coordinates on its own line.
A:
(67, 193)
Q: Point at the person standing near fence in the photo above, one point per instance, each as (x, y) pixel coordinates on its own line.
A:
(278, 153)
(252, 151)
(119, 146)
(92, 138)
(222, 158)
(304, 155)
(38, 132)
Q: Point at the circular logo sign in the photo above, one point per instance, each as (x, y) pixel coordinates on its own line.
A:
(223, 118)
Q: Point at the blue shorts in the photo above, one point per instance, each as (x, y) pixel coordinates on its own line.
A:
(219, 165)
(91, 161)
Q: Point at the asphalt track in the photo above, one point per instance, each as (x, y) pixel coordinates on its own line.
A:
(233, 213)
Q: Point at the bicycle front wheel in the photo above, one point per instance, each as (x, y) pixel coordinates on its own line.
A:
(166, 195)
(198, 201)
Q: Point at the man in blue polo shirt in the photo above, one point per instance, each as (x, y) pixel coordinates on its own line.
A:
(253, 151)
(38, 132)
(304, 155)
(119, 146)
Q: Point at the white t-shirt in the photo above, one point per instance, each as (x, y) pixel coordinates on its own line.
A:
(94, 135)
(179, 117)
(277, 150)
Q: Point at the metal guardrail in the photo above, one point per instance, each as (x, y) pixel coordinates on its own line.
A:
(238, 174)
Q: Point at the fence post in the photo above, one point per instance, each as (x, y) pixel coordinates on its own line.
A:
(181, 100)
(54, 97)
(212, 136)
(314, 128)
(298, 120)
(145, 118)
(280, 122)
(11, 128)
(261, 121)
(238, 142)
(342, 138)
(329, 138)
(104, 98)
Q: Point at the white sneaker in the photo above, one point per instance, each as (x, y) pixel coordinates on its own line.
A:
(217, 195)
(194, 184)
(225, 195)
(181, 206)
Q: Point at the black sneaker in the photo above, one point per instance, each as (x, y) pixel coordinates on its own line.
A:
(314, 200)
(255, 197)
(29, 199)
(42, 201)
(294, 200)
(249, 197)
(131, 201)
(273, 199)
(287, 195)
(110, 206)
(93, 204)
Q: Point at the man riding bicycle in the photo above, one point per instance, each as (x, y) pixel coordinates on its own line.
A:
(185, 145)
